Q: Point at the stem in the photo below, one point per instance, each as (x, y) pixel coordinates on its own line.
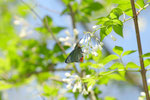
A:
(72, 14)
(46, 26)
(138, 12)
(143, 71)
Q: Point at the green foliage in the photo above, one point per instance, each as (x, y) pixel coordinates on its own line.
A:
(146, 62)
(109, 58)
(131, 65)
(118, 50)
(139, 4)
(128, 52)
(111, 22)
(110, 98)
(148, 0)
(146, 55)
(50, 91)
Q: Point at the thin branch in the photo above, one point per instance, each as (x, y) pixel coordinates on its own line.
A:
(143, 71)
(72, 14)
(57, 41)
(47, 26)
(138, 12)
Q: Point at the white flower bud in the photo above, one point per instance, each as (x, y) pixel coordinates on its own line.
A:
(67, 32)
(94, 53)
(143, 94)
(94, 27)
(113, 38)
(61, 39)
(67, 74)
(69, 86)
(81, 41)
(140, 98)
(90, 88)
(75, 31)
(101, 43)
(84, 92)
(148, 81)
(88, 76)
(74, 88)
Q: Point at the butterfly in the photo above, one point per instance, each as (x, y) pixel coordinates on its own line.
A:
(76, 55)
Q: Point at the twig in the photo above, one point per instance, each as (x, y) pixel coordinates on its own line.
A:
(138, 12)
(47, 26)
(72, 14)
(49, 29)
(143, 71)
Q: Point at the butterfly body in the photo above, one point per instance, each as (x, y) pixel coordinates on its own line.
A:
(76, 55)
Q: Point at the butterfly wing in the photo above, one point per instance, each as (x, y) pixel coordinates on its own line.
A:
(75, 55)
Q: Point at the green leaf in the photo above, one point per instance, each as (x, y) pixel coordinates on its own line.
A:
(118, 27)
(5, 85)
(47, 20)
(115, 76)
(139, 4)
(146, 55)
(23, 10)
(128, 52)
(118, 50)
(97, 65)
(110, 98)
(95, 6)
(115, 13)
(116, 65)
(75, 6)
(146, 62)
(50, 91)
(57, 29)
(104, 32)
(148, 1)
(126, 7)
(63, 98)
(102, 20)
(42, 30)
(109, 58)
(132, 65)
(67, 1)
(120, 1)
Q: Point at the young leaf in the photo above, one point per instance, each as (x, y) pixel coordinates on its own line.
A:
(109, 58)
(110, 98)
(116, 65)
(102, 20)
(118, 27)
(146, 55)
(132, 65)
(118, 50)
(48, 20)
(104, 32)
(128, 52)
(115, 13)
(139, 4)
(120, 1)
(146, 62)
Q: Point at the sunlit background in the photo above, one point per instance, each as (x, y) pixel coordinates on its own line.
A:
(24, 27)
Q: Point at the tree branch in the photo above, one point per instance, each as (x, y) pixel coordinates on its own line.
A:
(143, 71)
(46, 26)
